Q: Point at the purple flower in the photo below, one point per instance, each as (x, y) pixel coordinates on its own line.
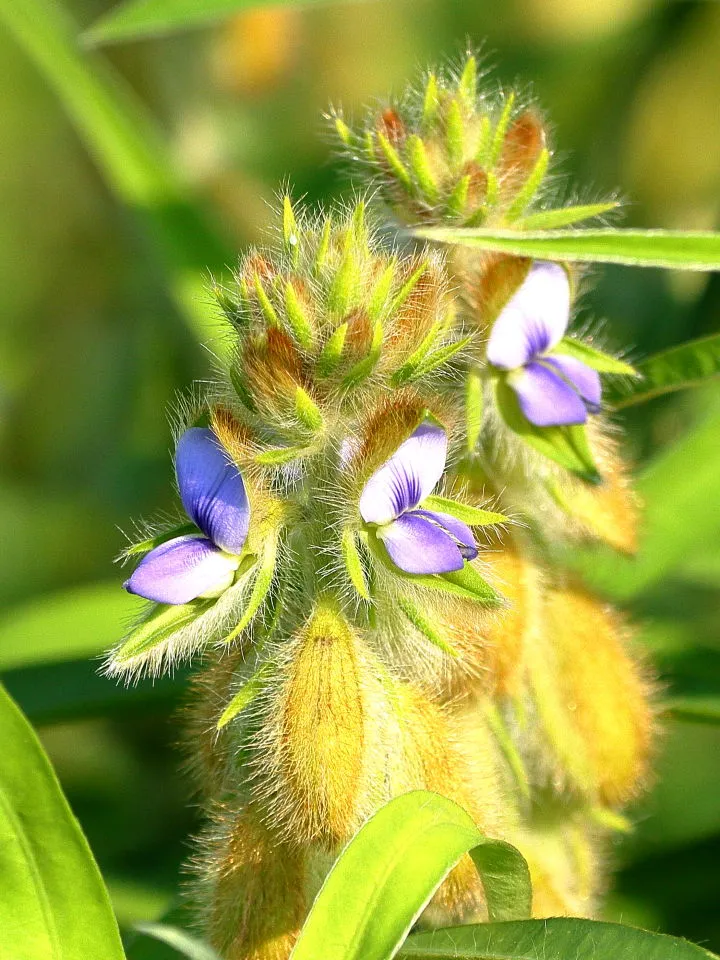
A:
(213, 494)
(418, 541)
(552, 389)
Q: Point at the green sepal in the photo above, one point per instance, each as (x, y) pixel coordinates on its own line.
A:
(530, 187)
(431, 102)
(421, 169)
(466, 583)
(332, 350)
(567, 446)
(407, 288)
(467, 85)
(507, 746)
(473, 516)
(363, 368)
(276, 456)
(474, 404)
(414, 368)
(265, 572)
(353, 563)
(457, 201)
(246, 694)
(501, 129)
(297, 320)
(591, 357)
(144, 546)
(689, 365)
(564, 216)
(396, 165)
(307, 411)
(290, 230)
(344, 286)
(268, 310)
(163, 620)
(381, 293)
(423, 626)
(454, 135)
(241, 389)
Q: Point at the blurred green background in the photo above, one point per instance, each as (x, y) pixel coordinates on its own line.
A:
(93, 352)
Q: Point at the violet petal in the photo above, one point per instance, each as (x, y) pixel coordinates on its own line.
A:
(409, 476)
(458, 530)
(181, 570)
(417, 545)
(212, 489)
(545, 398)
(585, 380)
(534, 319)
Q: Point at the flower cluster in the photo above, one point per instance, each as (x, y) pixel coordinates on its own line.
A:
(358, 641)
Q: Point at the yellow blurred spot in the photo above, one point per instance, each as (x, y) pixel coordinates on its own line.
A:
(255, 50)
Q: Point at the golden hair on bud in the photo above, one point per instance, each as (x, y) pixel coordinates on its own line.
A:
(253, 888)
(592, 698)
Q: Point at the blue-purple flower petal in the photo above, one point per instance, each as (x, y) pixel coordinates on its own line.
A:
(212, 489)
(459, 531)
(181, 570)
(534, 320)
(544, 397)
(417, 545)
(409, 476)
(585, 380)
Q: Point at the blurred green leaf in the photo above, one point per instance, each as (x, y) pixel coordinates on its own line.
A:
(390, 870)
(564, 216)
(604, 362)
(639, 248)
(695, 709)
(54, 903)
(68, 625)
(679, 490)
(182, 942)
(130, 152)
(689, 365)
(554, 939)
(143, 18)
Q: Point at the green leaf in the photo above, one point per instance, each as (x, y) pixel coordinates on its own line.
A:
(689, 365)
(245, 695)
(129, 151)
(564, 216)
(603, 362)
(473, 516)
(696, 709)
(390, 870)
(276, 456)
(638, 248)
(261, 587)
(353, 563)
(307, 411)
(555, 939)
(421, 623)
(414, 370)
(54, 905)
(567, 446)
(67, 625)
(474, 403)
(163, 620)
(147, 18)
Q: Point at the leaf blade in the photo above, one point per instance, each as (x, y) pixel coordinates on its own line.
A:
(54, 902)
(690, 250)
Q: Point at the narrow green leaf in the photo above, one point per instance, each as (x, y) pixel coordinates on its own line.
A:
(473, 516)
(261, 587)
(290, 230)
(245, 695)
(268, 310)
(474, 404)
(407, 288)
(603, 362)
(184, 943)
(567, 446)
(66, 625)
(276, 456)
(423, 626)
(555, 939)
(144, 546)
(332, 350)
(457, 201)
(129, 151)
(530, 187)
(689, 365)
(564, 216)
(454, 135)
(508, 748)
(307, 411)
(353, 563)
(501, 129)
(696, 709)
(431, 102)
(296, 317)
(679, 250)
(421, 169)
(639, 248)
(393, 160)
(163, 620)
(390, 870)
(54, 903)
(467, 85)
(438, 358)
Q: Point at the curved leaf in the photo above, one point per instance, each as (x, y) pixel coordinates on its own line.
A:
(689, 365)
(390, 870)
(146, 18)
(129, 151)
(689, 250)
(182, 942)
(473, 516)
(556, 939)
(54, 905)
